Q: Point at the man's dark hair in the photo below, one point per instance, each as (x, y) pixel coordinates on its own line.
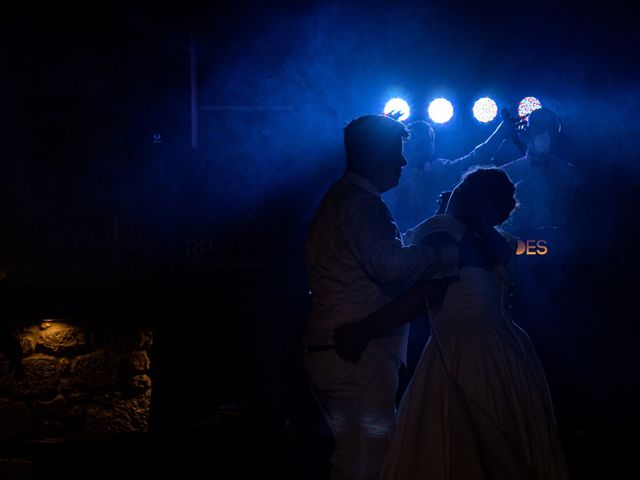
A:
(368, 138)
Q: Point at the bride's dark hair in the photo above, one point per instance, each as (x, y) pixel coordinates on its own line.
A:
(486, 195)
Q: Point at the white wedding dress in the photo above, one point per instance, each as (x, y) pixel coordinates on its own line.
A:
(478, 406)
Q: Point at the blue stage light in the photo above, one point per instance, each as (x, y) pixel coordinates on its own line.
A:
(528, 105)
(395, 106)
(485, 109)
(440, 110)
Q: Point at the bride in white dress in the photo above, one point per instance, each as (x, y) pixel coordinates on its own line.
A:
(478, 405)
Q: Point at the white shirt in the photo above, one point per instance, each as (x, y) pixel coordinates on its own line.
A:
(356, 261)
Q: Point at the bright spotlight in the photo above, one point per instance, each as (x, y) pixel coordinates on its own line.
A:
(397, 106)
(440, 110)
(485, 109)
(528, 105)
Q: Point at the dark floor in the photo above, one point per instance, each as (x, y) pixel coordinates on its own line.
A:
(177, 451)
(234, 448)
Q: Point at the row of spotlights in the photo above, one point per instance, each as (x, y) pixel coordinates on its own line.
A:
(441, 110)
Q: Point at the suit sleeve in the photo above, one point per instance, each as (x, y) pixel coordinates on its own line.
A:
(376, 243)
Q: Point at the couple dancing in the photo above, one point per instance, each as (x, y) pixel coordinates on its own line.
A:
(478, 406)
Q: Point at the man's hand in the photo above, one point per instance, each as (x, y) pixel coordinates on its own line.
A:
(351, 340)
(395, 114)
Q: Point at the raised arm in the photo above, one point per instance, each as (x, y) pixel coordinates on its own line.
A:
(485, 152)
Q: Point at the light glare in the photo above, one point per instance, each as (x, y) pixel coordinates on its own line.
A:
(485, 109)
(440, 110)
(528, 105)
(395, 106)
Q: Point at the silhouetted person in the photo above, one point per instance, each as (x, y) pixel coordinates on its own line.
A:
(546, 184)
(356, 263)
(478, 406)
(426, 176)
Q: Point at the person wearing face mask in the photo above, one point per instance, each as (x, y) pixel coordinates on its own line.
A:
(546, 183)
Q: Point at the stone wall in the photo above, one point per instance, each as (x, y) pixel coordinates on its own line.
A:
(77, 380)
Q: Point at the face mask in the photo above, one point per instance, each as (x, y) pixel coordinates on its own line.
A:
(542, 143)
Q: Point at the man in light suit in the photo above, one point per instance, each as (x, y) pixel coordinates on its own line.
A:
(357, 263)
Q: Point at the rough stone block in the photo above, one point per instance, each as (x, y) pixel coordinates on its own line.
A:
(41, 376)
(113, 413)
(63, 338)
(139, 362)
(99, 369)
(140, 383)
(27, 344)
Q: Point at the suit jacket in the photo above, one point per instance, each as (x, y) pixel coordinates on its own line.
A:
(356, 262)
